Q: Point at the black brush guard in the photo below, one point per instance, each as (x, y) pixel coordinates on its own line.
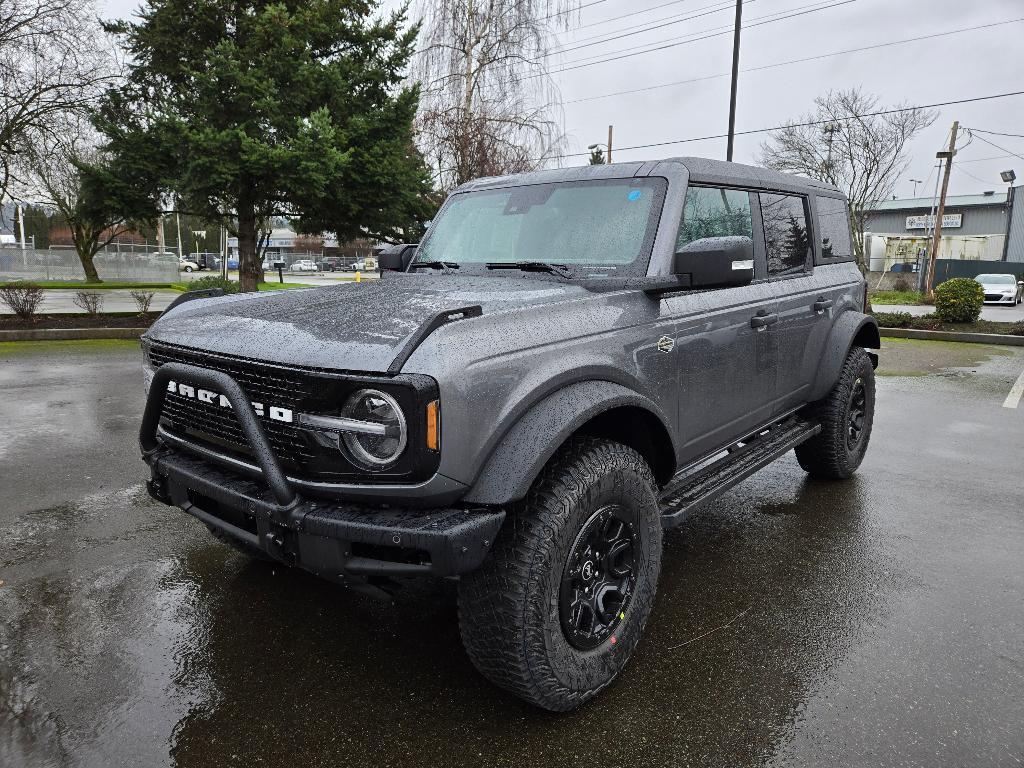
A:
(332, 539)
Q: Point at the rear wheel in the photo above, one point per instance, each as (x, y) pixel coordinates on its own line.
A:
(846, 415)
(559, 605)
(188, 269)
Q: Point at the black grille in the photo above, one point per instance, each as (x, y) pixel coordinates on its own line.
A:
(262, 383)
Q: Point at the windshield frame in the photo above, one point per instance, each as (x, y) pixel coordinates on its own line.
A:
(637, 268)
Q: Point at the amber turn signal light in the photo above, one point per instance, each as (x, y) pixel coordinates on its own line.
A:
(433, 425)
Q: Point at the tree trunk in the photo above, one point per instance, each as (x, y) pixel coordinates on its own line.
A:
(249, 267)
(85, 247)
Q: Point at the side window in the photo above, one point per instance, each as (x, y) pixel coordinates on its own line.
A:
(834, 223)
(786, 238)
(714, 212)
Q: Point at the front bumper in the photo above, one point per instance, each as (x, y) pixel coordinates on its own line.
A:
(332, 539)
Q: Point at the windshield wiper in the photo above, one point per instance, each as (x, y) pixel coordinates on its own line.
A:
(533, 266)
(445, 266)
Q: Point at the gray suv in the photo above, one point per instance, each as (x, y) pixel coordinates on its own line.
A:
(573, 361)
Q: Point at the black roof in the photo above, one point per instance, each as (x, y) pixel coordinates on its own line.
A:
(700, 169)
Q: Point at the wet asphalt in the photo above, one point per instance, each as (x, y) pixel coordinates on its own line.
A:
(874, 622)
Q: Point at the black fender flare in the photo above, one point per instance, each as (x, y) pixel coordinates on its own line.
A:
(517, 460)
(852, 328)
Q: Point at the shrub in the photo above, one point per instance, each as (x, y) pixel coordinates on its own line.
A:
(23, 298)
(90, 301)
(959, 300)
(893, 319)
(142, 300)
(214, 281)
(1017, 329)
(902, 285)
(930, 322)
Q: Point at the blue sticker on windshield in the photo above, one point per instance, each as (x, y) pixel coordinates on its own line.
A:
(634, 195)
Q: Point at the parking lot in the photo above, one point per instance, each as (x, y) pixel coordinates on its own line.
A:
(866, 623)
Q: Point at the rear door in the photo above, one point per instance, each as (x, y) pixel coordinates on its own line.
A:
(726, 367)
(804, 308)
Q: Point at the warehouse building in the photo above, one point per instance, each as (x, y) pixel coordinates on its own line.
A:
(974, 228)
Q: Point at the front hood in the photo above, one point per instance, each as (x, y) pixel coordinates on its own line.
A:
(998, 288)
(351, 327)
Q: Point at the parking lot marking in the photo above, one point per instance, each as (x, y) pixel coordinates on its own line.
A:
(1013, 399)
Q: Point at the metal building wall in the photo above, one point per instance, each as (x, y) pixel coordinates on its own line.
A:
(1015, 240)
(978, 220)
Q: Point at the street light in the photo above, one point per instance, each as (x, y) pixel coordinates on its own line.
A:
(915, 182)
(1008, 176)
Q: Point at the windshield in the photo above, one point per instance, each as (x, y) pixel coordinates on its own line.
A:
(602, 225)
(996, 279)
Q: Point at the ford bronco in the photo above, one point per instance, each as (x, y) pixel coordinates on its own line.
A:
(573, 361)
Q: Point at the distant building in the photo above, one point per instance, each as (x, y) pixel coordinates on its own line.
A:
(974, 228)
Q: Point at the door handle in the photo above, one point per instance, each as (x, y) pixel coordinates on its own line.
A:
(763, 319)
(822, 304)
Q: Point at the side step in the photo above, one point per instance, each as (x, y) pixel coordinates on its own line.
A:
(692, 488)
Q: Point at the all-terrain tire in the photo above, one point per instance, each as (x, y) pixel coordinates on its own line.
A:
(510, 610)
(846, 415)
(241, 546)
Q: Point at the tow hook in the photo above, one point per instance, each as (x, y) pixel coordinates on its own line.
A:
(277, 542)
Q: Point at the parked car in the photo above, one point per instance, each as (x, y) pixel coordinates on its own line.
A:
(303, 265)
(186, 264)
(331, 264)
(269, 264)
(1001, 289)
(356, 266)
(232, 262)
(575, 361)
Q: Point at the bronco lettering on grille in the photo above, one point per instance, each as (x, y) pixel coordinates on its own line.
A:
(273, 412)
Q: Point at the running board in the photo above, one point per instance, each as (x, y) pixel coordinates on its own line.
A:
(694, 488)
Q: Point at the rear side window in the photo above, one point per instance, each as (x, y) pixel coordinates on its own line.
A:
(714, 212)
(787, 241)
(834, 225)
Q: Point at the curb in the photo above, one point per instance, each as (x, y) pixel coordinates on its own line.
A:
(72, 334)
(970, 338)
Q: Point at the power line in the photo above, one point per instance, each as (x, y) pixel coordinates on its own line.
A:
(1001, 149)
(673, 42)
(633, 14)
(801, 61)
(968, 173)
(804, 125)
(706, 10)
(983, 159)
(996, 133)
(567, 11)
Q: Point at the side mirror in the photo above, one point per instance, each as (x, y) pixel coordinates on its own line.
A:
(395, 258)
(716, 262)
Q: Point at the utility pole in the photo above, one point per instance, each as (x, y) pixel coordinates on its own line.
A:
(829, 132)
(21, 225)
(160, 233)
(177, 224)
(735, 78)
(609, 143)
(948, 157)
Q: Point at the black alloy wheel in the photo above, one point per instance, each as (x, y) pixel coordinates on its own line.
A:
(598, 579)
(856, 413)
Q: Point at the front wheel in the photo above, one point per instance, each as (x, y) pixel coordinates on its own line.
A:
(559, 605)
(846, 415)
(188, 269)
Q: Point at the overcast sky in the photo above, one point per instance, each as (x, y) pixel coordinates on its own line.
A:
(960, 66)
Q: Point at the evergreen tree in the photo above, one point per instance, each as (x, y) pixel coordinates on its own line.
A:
(249, 109)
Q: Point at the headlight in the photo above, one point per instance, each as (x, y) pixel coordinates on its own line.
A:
(381, 446)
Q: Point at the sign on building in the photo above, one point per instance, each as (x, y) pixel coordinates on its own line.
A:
(949, 221)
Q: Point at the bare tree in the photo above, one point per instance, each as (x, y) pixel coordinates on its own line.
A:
(63, 168)
(54, 57)
(488, 105)
(844, 142)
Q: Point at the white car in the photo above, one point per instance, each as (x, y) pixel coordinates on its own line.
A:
(303, 265)
(187, 265)
(1001, 289)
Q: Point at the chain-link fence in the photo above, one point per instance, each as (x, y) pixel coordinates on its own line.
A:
(63, 264)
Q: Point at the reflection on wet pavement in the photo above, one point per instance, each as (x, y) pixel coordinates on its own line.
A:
(869, 622)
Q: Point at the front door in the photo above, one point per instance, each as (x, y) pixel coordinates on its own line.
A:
(725, 355)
